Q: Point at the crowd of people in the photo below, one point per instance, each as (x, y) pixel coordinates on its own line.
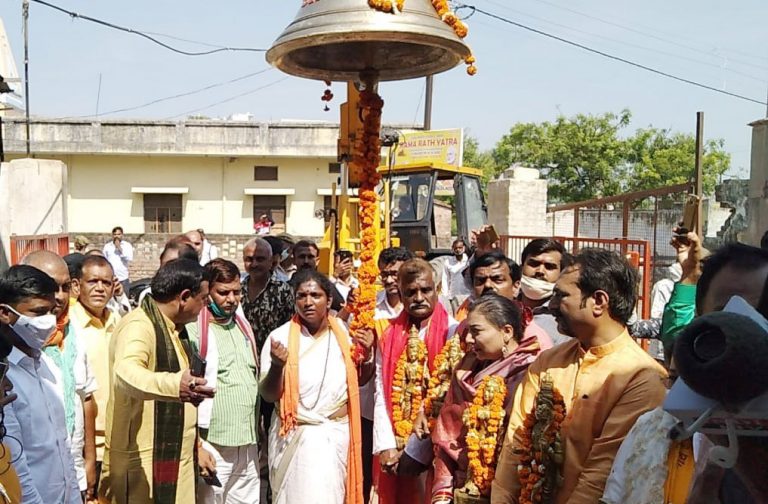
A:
(482, 379)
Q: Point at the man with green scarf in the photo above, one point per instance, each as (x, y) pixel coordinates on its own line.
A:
(151, 416)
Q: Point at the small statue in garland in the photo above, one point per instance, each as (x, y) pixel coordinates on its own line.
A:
(542, 454)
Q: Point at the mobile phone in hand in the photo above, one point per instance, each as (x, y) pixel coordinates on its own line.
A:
(198, 365)
(212, 480)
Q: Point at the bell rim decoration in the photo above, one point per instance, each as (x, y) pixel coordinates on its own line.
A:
(407, 45)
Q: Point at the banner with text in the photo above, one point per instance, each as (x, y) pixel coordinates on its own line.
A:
(436, 146)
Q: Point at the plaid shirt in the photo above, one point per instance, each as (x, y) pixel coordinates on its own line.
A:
(271, 309)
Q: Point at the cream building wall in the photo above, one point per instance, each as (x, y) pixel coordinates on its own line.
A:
(110, 165)
(100, 191)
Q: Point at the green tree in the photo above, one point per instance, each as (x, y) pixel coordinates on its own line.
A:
(475, 158)
(585, 157)
(582, 157)
(658, 158)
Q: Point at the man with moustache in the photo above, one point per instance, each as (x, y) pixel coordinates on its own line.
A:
(434, 325)
(229, 424)
(494, 272)
(66, 349)
(267, 303)
(95, 323)
(151, 414)
(306, 254)
(606, 379)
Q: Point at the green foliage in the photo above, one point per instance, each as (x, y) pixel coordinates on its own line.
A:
(475, 158)
(659, 158)
(585, 157)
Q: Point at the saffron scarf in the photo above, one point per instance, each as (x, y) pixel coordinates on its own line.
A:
(62, 321)
(396, 338)
(289, 403)
(169, 415)
(463, 310)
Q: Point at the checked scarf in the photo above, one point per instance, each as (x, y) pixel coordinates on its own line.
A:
(169, 416)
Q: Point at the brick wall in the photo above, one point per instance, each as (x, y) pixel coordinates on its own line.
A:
(147, 249)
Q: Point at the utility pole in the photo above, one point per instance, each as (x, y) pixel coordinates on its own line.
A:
(699, 177)
(428, 103)
(25, 17)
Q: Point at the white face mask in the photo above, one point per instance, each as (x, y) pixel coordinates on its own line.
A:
(536, 289)
(34, 330)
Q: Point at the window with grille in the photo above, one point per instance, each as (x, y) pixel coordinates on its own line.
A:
(271, 206)
(265, 173)
(162, 213)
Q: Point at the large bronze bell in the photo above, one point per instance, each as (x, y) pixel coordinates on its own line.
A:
(336, 40)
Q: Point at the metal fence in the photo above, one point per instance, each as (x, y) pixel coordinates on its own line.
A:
(646, 215)
(23, 245)
(637, 253)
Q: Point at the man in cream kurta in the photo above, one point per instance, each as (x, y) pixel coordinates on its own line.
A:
(131, 413)
(127, 472)
(605, 378)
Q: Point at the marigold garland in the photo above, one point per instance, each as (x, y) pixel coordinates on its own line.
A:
(393, 6)
(442, 371)
(459, 28)
(405, 391)
(443, 11)
(366, 157)
(484, 420)
(541, 451)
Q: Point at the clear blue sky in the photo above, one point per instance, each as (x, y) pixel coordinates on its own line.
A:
(522, 77)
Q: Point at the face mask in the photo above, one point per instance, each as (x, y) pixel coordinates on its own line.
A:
(217, 311)
(536, 289)
(34, 330)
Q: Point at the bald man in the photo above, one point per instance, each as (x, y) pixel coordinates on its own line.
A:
(267, 302)
(67, 354)
(196, 239)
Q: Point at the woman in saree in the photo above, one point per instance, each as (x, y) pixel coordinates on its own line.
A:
(496, 346)
(314, 439)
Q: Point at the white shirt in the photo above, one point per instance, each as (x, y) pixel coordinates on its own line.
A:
(367, 391)
(454, 284)
(85, 385)
(119, 260)
(36, 419)
(383, 310)
(383, 434)
(210, 252)
(345, 289)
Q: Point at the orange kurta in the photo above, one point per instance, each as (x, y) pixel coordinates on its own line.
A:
(606, 389)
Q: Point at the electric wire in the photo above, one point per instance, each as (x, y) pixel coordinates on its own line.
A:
(667, 39)
(475, 9)
(146, 36)
(179, 95)
(637, 46)
(199, 109)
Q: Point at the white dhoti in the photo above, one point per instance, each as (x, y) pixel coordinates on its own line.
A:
(309, 464)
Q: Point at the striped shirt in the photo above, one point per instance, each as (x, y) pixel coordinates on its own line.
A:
(234, 419)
